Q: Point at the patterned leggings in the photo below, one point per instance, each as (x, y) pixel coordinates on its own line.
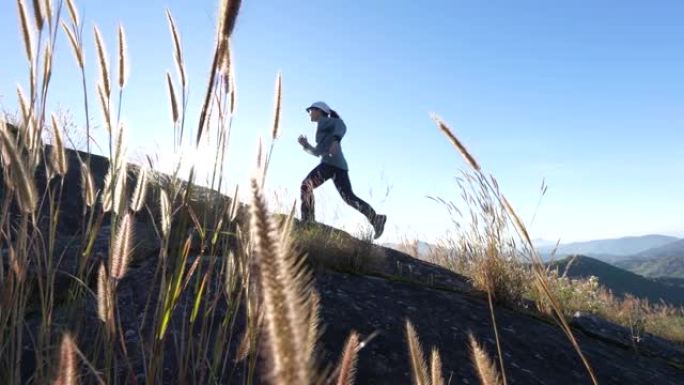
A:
(340, 177)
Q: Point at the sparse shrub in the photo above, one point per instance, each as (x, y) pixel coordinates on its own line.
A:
(482, 247)
(585, 295)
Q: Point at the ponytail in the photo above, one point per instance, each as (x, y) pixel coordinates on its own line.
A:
(334, 114)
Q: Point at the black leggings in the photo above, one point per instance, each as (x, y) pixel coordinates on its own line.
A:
(340, 177)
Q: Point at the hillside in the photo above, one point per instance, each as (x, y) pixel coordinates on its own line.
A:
(675, 248)
(620, 281)
(370, 289)
(611, 250)
(667, 266)
(663, 261)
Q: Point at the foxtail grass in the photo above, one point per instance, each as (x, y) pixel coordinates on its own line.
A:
(26, 33)
(165, 213)
(58, 155)
(73, 12)
(172, 99)
(38, 14)
(436, 368)
(228, 12)
(140, 191)
(105, 299)
(123, 72)
(68, 372)
(121, 248)
(103, 61)
(177, 49)
(284, 286)
(104, 106)
(23, 105)
(19, 178)
(276, 124)
(347, 365)
(484, 366)
(122, 68)
(49, 12)
(34, 260)
(314, 324)
(87, 185)
(419, 370)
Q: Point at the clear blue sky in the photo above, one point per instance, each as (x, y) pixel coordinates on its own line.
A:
(586, 94)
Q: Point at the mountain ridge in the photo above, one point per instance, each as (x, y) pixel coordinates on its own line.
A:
(610, 249)
(621, 282)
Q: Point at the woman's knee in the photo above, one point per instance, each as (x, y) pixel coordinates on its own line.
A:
(351, 200)
(306, 186)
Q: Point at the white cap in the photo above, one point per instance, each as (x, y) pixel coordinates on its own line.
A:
(321, 106)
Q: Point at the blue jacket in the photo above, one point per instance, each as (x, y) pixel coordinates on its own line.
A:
(328, 131)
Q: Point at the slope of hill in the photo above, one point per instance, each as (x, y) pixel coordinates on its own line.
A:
(668, 266)
(663, 261)
(621, 281)
(611, 250)
(670, 281)
(675, 248)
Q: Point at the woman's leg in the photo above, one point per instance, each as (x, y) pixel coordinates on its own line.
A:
(316, 177)
(344, 187)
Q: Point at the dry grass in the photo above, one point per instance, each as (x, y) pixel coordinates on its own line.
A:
(103, 61)
(347, 366)
(123, 71)
(588, 296)
(19, 178)
(419, 368)
(285, 286)
(27, 290)
(67, 374)
(493, 198)
(26, 32)
(421, 374)
(486, 369)
(58, 156)
(335, 249)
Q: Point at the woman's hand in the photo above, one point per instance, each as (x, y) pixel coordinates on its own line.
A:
(303, 140)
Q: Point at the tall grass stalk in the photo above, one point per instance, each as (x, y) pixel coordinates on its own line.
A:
(419, 368)
(228, 12)
(347, 365)
(285, 286)
(276, 124)
(485, 368)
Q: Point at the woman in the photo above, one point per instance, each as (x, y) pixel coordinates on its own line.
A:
(329, 133)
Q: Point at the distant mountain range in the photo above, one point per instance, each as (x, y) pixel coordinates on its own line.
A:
(621, 282)
(663, 261)
(653, 256)
(649, 255)
(610, 250)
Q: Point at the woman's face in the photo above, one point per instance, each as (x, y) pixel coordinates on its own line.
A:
(315, 114)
